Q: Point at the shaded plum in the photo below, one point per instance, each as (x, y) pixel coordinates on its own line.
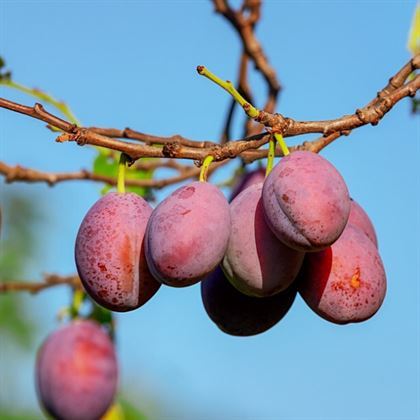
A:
(358, 217)
(76, 372)
(345, 282)
(247, 179)
(109, 252)
(187, 234)
(256, 262)
(240, 315)
(306, 201)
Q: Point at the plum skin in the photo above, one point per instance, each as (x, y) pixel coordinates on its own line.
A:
(256, 262)
(76, 372)
(345, 282)
(306, 201)
(246, 180)
(187, 234)
(109, 252)
(358, 217)
(240, 315)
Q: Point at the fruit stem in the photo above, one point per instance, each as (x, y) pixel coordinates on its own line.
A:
(282, 144)
(270, 157)
(78, 297)
(205, 168)
(121, 173)
(227, 85)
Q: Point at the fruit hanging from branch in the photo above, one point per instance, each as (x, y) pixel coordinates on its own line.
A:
(76, 372)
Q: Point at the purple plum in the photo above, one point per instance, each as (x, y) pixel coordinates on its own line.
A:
(110, 255)
(306, 201)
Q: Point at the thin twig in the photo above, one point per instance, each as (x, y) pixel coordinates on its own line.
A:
(244, 26)
(21, 174)
(370, 114)
(50, 280)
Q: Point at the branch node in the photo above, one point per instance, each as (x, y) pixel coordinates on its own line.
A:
(362, 116)
(38, 108)
(171, 150)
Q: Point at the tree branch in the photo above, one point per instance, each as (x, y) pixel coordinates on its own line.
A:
(246, 148)
(244, 27)
(19, 173)
(50, 280)
(244, 21)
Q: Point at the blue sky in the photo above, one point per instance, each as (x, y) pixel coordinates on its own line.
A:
(133, 64)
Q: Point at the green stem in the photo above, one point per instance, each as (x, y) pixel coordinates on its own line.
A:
(250, 110)
(205, 168)
(282, 144)
(47, 98)
(78, 297)
(270, 157)
(121, 173)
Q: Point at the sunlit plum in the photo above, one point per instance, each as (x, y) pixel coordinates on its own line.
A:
(110, 252)
(256, 262)
(240, 315)
(76, 372)
(306, 201)
(247, 179)
(187, 234)
(345, 282)
(358, 217)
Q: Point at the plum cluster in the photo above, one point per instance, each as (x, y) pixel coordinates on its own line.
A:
(295, 231)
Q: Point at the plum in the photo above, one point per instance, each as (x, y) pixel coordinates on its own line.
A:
(187, 234)
(256, 262)
(240, 315)
(247, 179)
(306, 201)
(345, 282)
(110, 254)
(358, 217)
(76, 372)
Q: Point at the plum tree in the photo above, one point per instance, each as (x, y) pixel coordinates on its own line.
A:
(76, 372)
(294, 229)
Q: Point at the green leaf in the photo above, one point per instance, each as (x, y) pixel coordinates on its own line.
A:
(415, 105)
(18, 246)
(107, 165)
(5, 76)
(18, 415)
(14, 322)
(130, 411)
(414, 36)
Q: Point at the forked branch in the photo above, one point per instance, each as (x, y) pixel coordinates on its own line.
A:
(396, 90)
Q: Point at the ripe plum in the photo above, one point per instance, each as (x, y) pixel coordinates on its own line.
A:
(109, 252)
(256, 262)
(358, 217)
(187, 234)
(240, 315)
(76, 372)
(306, 201)
(247, 179)
(345, 282)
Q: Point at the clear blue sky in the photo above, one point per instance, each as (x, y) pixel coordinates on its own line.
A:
(132, 63)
